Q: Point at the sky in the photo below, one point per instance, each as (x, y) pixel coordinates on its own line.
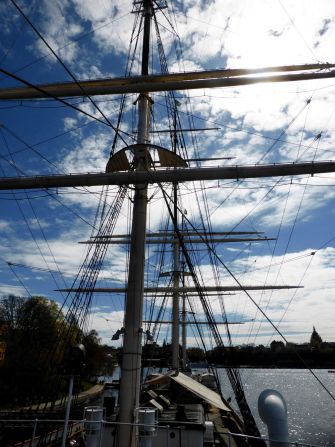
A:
(264, 123)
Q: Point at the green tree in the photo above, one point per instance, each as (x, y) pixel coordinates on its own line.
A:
(32, 329)
(38, 340)
(95, 354)
(195, 354)
(10, 309)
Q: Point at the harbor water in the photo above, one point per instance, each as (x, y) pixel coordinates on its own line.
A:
(311, 411)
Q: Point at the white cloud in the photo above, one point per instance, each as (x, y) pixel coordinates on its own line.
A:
(58, 29)
(106, 322)
(70, 123)
(300, 308)
(10, 289)
(89, 155)
(4, 225)
(257, 34)
(214, 35)
(115, 15)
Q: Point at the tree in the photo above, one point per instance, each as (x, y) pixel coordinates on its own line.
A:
(195, 354)
(32, 329)
(10, 308)
(95, 354)
(277, 346)
(38, 340)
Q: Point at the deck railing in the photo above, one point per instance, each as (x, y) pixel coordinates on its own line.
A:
(76, 427)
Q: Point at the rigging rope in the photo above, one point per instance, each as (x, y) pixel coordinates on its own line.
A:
(64, 66)
(39, 89)
(74, 321)
(23, 215)
(259, 308)
(233, 374)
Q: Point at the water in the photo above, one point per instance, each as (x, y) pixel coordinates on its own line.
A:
(311, 411)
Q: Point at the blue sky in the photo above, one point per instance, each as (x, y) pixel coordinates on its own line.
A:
(264, 123)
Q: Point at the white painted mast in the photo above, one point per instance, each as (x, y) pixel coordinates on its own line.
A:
(184, 334)
(176, 262)
(130, 383)
(175, 294)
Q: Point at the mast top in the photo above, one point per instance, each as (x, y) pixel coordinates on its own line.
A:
(140, 5)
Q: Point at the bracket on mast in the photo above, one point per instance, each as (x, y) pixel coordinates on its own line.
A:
(123, 160)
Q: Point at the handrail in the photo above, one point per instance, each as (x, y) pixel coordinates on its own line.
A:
(105, 423)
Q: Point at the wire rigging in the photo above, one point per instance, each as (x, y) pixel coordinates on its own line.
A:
(23, 215)
(72, 42)
(63, 65)
(277, 330)
(233, 374)
(39, 89)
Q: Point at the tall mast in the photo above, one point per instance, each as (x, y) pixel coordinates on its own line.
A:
(183, 336)
(176, 263)
(132, 343)
(176, 285)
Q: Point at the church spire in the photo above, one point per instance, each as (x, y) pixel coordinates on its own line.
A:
(316, 340)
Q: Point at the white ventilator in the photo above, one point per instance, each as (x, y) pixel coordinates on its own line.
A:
(273, 412)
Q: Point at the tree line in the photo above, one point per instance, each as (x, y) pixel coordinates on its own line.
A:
(316, 353)
(36, 339)
(34, 362)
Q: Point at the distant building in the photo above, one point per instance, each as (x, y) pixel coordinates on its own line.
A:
(315, 341)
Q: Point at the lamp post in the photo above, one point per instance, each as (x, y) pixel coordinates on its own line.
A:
(74, 365)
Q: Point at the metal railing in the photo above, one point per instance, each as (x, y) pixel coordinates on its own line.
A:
(76, 427)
